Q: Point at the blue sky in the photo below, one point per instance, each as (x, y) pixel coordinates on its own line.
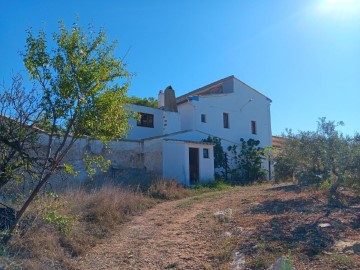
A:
(304, 55)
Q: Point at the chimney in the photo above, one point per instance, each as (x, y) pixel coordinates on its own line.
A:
(161, 99)
(170, 100)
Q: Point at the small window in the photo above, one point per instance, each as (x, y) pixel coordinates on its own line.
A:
(226, 120)
(203, 118)
(206, 153)
(146, 120)
(253, 127)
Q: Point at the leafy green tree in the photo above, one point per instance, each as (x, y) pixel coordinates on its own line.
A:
(147, 102)
(322, 155)
(247, 161)
(83, 90)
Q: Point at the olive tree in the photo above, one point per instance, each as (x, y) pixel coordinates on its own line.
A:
(313, 157)
(83, 89)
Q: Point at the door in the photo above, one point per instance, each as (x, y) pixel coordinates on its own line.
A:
(194, 165)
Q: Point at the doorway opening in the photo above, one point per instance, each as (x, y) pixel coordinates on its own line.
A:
(194, 166)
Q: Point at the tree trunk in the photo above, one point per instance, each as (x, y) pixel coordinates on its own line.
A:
(21, 212)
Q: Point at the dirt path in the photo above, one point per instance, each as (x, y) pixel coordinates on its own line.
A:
(172, 235)
(266, 223)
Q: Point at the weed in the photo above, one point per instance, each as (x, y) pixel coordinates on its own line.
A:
(214, 185)
(256, 263)
(199, 198)
(339, 261)
(167, 190)
(325, 185)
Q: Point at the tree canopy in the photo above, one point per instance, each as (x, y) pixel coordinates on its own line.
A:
(324, 155)
(148, 102)
(81, 89)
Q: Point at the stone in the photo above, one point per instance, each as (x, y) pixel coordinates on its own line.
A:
(228, 212)
(347, 246)
(238, 230)
(226, 234)
(324, 225)
(223, 216)
(220, 216)
(238, 262)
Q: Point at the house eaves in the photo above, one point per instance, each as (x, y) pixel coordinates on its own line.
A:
(201, 90)
(187, 141)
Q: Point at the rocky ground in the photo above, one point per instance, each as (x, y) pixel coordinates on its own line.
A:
(257, 225)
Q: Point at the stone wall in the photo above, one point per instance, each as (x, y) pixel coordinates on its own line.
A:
(133, 162)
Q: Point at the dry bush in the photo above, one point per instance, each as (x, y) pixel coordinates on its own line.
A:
(98, 214)
(168, 190)
(41, 243)
(36, 244)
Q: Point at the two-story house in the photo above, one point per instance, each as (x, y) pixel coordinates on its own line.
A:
(172, 134)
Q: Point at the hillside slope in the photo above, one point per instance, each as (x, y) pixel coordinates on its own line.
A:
(266, 222)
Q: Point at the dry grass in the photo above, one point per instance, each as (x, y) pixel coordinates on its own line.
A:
(168, 190)
(55, 230)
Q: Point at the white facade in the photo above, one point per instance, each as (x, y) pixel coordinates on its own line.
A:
(176, 161)
(228, 109)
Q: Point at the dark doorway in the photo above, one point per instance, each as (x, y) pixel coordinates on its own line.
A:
(194, 165)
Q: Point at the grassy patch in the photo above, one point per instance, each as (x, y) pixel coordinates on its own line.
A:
(56, 229)
(338, 261)
(199, 198)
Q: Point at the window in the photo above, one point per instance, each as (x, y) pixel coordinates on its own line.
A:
(206, 153)
(226, 120)
(203, 118)
(253, 127)
(146, 120)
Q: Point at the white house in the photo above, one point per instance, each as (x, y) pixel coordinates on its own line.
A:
(173, 133)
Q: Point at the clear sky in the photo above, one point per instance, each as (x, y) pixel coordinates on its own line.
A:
(304, 55)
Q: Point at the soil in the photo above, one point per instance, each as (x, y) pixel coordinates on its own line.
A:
(267, 222)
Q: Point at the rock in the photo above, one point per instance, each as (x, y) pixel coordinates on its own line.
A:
(223, 216)
(238, 262)
(238, 230)
(228, 212)
(220, 216)
(226, 234)
(324, 225)
(347, 246)
(283, 263)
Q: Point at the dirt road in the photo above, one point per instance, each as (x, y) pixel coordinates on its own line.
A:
(173, 235)
(272, 220)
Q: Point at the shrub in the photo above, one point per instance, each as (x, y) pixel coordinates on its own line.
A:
(47, 234)
(167, 190)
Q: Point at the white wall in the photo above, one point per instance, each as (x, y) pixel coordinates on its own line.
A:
(138, 132)
(241, 112)
(153, 155)
(174, 161)
(186, 111)
(171, 122)
(164, 123)
(206, 164)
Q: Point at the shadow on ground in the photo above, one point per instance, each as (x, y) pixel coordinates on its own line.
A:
(288, 188)
(277, 206)
(303, 223)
